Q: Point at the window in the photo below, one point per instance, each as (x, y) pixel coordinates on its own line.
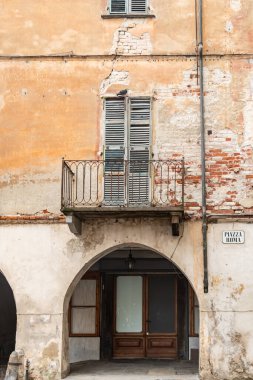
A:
(84, 307)
(194, 313)
(127, 150)
(128, 6)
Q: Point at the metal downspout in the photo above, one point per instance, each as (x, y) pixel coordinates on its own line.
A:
(203, 146)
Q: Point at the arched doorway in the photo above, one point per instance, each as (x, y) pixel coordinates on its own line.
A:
(8, 322)
(133, 304)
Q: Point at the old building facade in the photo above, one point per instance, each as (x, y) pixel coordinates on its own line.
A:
(127, 183)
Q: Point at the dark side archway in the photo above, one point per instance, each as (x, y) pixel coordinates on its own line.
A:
(8, 320)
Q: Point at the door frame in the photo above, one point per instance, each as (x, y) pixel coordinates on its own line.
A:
(122, 341)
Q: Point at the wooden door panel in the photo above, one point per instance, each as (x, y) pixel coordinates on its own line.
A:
(158, 336)
(129, 347)
(161, 347)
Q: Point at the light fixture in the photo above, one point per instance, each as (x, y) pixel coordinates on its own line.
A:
(130, 261)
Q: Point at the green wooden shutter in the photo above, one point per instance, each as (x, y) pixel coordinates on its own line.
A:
(138, 6)
(139, 150)
(114, 178)
(118, 6)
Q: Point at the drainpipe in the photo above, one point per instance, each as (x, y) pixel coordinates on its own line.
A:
(203, 145)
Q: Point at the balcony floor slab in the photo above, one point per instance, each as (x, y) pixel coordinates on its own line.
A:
(123, 212)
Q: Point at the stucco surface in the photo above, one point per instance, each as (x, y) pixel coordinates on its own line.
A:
(59, 113)
(227, 27)
(45, 275)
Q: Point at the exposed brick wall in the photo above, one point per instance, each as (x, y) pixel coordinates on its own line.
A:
(26, 219)
(229, 163)
(229, 174)
(129, 41)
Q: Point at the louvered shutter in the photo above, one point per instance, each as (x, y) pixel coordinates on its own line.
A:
(114, 178)
(139, 151)
(118, 6)
(138, 6)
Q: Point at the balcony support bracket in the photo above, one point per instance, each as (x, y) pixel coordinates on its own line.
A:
(74, 223)
(175, 221)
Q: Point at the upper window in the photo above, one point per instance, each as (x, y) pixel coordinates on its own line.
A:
(128, 6)
(127, 145)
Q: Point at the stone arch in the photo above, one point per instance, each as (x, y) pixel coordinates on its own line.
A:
(104, 253)
(8, 320)
(95, 256)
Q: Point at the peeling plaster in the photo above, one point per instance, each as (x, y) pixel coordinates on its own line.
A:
(131, 43)
(218, 77)
(24, 91)
(235, 5)
(247, 202)
(115, 77)
(51, 351)
(229, 26)
(248, 114)
(75, 247)
(248, 117)
(185, 117)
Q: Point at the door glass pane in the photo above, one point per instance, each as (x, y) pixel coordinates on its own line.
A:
(129, 304)
(161, 304)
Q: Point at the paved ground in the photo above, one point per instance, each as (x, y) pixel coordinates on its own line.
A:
(134, 370)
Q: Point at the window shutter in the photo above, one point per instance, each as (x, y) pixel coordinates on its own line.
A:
(114, 189)
(139, 122)
(139, 154)
(118, 6)
(138, 6)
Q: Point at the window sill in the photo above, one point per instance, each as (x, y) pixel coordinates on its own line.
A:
(132, 15)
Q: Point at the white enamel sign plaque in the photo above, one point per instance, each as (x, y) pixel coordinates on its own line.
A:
(233, 237)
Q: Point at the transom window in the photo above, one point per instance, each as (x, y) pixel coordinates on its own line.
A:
(128, 6)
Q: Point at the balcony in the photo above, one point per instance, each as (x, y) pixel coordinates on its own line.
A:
(122, 188)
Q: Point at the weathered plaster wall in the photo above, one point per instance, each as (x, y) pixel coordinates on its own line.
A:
(69, 28)
(53, 108)
(50, 108)
(42, 286)
(227, 27)
(228, 336)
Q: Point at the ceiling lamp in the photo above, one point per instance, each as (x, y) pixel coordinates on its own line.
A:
(130, 261)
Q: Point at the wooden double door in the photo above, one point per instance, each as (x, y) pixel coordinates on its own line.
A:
(145, 316)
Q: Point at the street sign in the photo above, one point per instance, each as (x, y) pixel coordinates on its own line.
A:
(233, 237)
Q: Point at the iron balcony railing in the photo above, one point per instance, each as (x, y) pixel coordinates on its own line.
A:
(124, 183)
